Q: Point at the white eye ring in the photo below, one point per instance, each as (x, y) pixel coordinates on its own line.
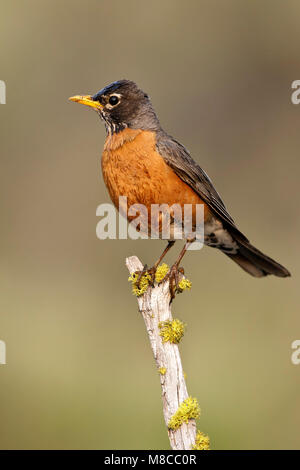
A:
(113, 100)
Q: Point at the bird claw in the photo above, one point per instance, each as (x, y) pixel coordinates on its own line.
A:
(144, 271)
(174, 278)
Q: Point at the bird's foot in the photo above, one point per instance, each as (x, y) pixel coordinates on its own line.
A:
(158, 274)
(145, 272)
(174, 277)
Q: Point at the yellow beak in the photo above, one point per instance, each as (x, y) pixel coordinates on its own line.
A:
(87, 100)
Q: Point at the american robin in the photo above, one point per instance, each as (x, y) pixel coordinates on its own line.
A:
(141, 161)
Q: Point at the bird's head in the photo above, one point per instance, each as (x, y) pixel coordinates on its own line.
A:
(122, 104)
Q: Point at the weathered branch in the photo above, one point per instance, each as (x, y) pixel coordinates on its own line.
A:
(155, 308)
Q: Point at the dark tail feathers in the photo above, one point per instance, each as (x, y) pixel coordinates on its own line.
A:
(255, 262)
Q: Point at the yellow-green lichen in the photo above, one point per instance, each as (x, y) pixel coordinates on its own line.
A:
(171, 331)
(162, 370)
(161, 272)
(139, 288)
(184, 284)
(202, 442)
(189, 409)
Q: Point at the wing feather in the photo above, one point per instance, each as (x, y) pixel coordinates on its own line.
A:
(179, 159)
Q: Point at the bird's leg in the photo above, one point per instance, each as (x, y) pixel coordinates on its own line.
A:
(141, 274)
(169, 245)
(152, 270)
(173, 274)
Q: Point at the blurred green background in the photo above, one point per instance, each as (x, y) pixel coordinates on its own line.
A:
(79, 371)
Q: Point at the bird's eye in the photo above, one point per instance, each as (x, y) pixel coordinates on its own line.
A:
(113, 100)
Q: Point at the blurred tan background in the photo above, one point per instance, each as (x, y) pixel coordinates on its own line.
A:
(79, 370)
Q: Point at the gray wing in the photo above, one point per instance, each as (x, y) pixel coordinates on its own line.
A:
(179, 159)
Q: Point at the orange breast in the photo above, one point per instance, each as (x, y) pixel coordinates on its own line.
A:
(132, 167)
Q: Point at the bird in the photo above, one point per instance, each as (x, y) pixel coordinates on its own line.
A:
(141, 161)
